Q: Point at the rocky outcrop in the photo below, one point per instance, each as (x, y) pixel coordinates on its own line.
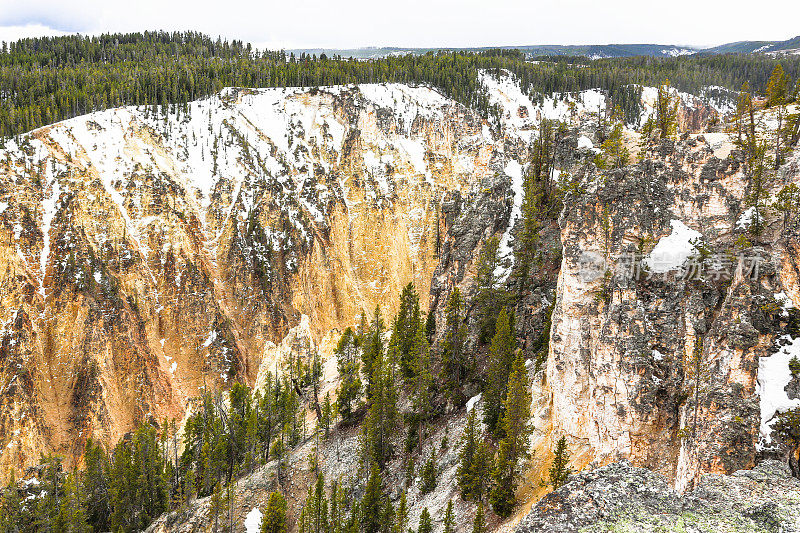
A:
(621, 497)
(661, 317)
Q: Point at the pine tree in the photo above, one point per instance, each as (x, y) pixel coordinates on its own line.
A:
(429, 474)
(372, 502)
(95, 485)
(527, 253)
(327, 414)
(338, 512)
(666, 111)
(274, 518)
(479, 524)
(314, 515)
(502, 496)
(423, 381)
(449, 520)
(543, 159)
(405, 329)
(501, 358)
(372, 352)
(663, 124)
(430, 325)
(517, 413)
(48, 506)
(777, 95)
(559, 471)
(350, 374)
(488, 298)
(425, 524)
(787, 202)
(516, 434)
(474, 467)
(401, 515)
(453, 351)
(382, 416)
(14, 518)
(614, 153)
(72, 514)
(777, 87)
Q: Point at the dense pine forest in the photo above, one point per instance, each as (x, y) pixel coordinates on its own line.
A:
(44, 80)
(233, 432)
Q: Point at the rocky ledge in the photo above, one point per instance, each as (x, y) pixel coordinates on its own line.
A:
(621, 497)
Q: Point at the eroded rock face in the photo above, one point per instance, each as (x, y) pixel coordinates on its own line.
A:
(621, 497)
(659, 366)
(145, 255)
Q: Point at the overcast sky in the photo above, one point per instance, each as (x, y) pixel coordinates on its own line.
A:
(418, 23)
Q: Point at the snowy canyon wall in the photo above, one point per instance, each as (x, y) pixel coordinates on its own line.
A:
(147, 256)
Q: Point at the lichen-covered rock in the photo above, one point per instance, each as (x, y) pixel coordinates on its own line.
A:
(624, 498)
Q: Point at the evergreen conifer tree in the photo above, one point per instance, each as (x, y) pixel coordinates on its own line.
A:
(274, 517)
(425, 524)
(559, 471)
(449, 519)
(453, 350)
(479, 524)
(501, 358)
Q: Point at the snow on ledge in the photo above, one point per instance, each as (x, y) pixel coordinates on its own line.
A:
(252, 522)
(672, 251)
(773, 376)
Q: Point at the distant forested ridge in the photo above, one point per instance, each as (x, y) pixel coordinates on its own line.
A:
(44, 80)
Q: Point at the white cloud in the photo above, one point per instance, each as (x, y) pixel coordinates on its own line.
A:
(352, 23)
(15, 33)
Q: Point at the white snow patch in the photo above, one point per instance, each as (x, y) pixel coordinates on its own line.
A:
(773, 376)
(785, 301)
(49, 211)
(212, 335)
(673, 250)
(472, 402)
(585, 142)
(514, 171)
(252, 522)
(746, 219)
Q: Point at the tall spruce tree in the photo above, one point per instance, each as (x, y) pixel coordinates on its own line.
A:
(514, 445)
(373, 502)
(95, 485)
(314, 515)
(449, 519)
(455, 363)
(349, 368)
(382, 416)
(777, 95)
(474, 461)
(488, 298)
(405, 328)
(479, 524)
(274, 518)
(372, 352)
(559, 471)
(72, 512)
(425, 524)
(501, 358)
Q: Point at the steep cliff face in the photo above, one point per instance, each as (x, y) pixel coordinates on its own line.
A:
(147, 255)
(663, 312)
